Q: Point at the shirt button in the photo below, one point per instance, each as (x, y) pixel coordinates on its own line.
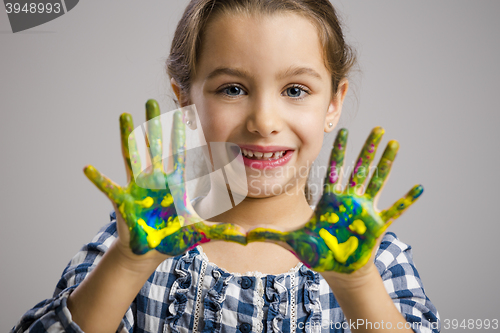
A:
(216, 274)
(245, 328)
(246, 282)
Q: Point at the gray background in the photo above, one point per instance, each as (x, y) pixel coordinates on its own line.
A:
(428, 74)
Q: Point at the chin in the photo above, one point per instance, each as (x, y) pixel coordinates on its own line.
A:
(265, 188)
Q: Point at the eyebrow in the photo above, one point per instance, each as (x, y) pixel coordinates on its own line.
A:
(291, 71)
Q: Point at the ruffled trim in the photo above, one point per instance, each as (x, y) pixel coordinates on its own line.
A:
(215, 296)
(277, 294)
(213, 301)
(312, 304)
(178, 291)
(275, 291)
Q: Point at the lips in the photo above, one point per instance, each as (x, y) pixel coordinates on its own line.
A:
(258, 155)
(268, 164)
(263, 157)
(266, 157)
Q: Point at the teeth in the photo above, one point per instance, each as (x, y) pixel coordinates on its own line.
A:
(260, 155)
(267, 155)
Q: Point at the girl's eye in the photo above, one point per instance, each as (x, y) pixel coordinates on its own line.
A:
(296, 91)
(231, 91)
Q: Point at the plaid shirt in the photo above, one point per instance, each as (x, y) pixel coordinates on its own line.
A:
(187, 293)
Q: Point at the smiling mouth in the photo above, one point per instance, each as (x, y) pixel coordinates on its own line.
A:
(263, 159)
(266, 156)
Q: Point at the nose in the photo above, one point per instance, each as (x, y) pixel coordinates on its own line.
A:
(265, 118)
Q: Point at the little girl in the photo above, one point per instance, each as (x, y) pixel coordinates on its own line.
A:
(271, 77)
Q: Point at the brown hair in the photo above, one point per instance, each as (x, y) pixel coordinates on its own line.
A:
(181, 63)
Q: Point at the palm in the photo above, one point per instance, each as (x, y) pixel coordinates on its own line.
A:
(147, 202)
(345, 226)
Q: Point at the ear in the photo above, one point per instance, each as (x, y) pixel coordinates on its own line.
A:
(182, 101)
(335, 106)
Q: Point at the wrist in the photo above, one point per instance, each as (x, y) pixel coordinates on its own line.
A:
(133, 263)
(358, 280)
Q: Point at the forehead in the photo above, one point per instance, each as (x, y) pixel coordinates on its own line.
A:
(261, 44)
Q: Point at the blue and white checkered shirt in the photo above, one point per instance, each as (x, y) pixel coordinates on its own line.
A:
(187, 293)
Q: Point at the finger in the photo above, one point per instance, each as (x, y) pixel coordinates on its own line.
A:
(201, 232)
(365, 158)
(336, 159)
(401, 205)
(154, 133)
(178, 142)
(383, 169)
(108, 187)
(129, 147)
(265, 234)
(225, 232)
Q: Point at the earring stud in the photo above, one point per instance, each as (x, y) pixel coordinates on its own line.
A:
(330, 124)
(188, 122)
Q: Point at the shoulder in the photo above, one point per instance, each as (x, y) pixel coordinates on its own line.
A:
(394, 261)
(99, 244)
(391, 252)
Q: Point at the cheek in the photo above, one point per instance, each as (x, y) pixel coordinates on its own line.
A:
(219, 128)
(311, 136)
(310, 131)
(212, 120)
(212, 127)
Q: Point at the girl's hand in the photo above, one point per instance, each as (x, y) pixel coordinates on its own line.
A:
(146, 217)
(343, 233)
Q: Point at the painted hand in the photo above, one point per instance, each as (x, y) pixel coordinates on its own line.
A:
(152, 220)
(345, 227)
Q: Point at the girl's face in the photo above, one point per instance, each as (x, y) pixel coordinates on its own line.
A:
(261, 83)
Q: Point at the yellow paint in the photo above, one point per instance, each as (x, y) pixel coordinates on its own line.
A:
(407, 202)
(383, 229)
(122, 210)
(167, 200)
(146, 203)
(155, 236)
(231, 232)
(340, 251)
(178, 219)
(358, 226)
(329, 217)
(342, 208)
